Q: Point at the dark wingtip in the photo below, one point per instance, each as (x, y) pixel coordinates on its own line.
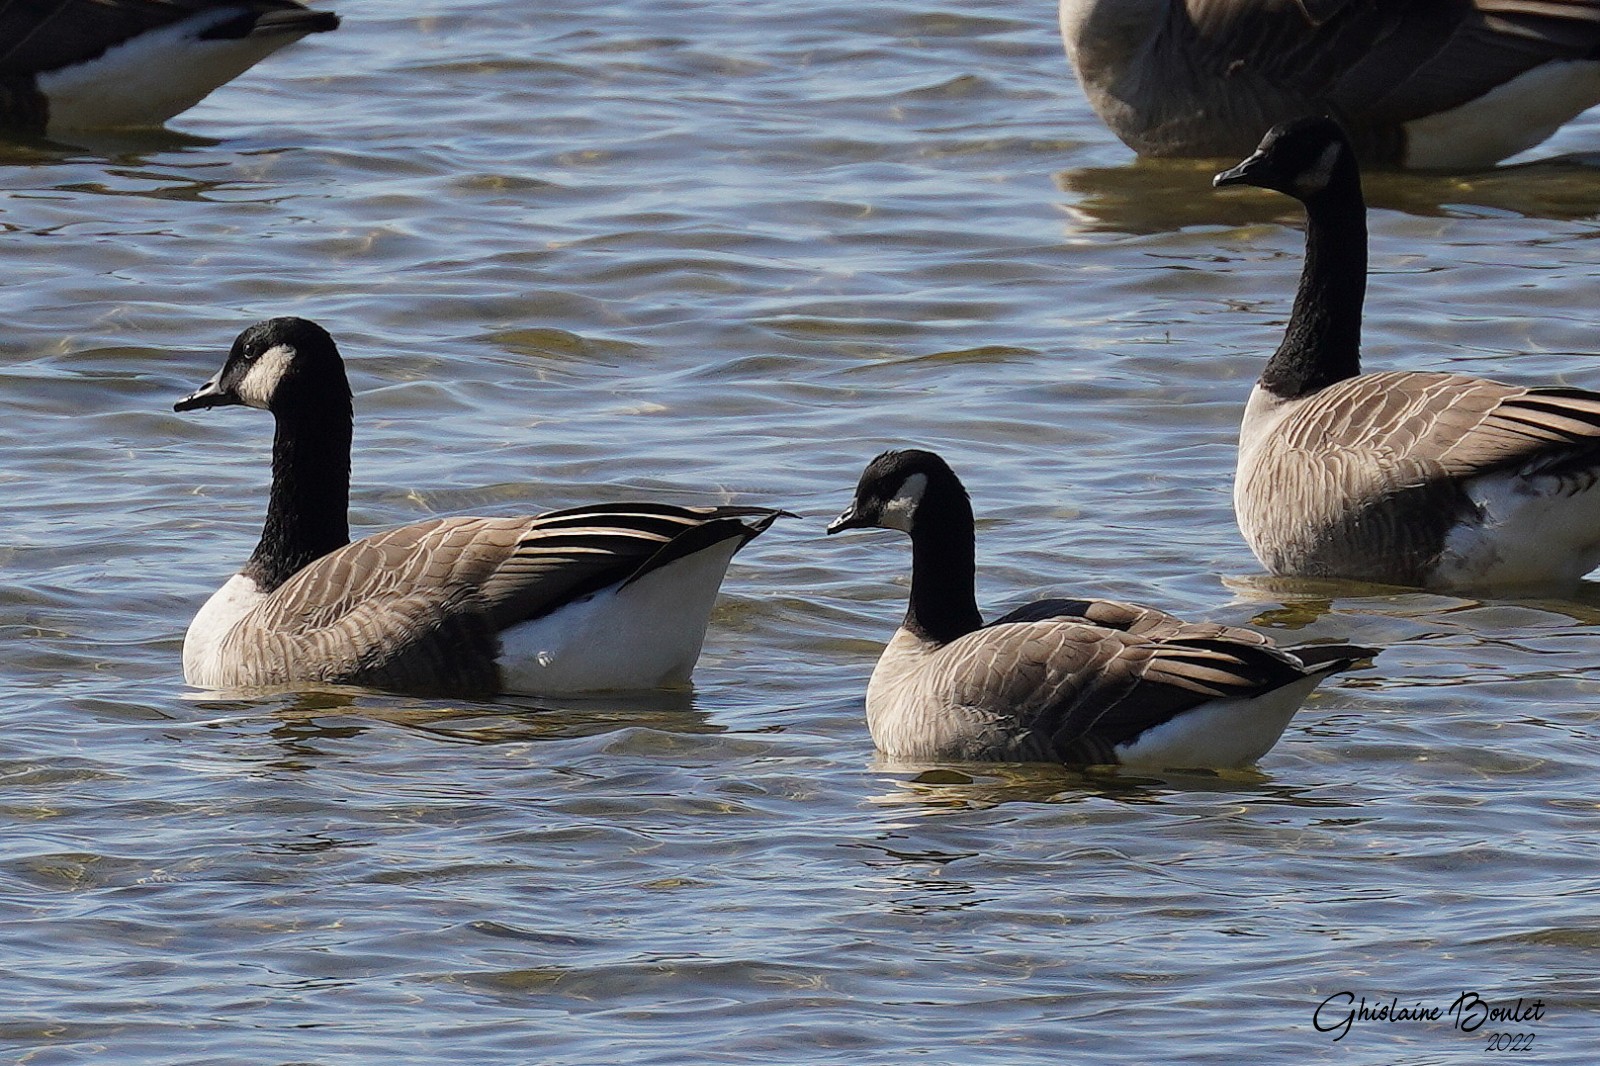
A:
(764, 519)
(1332, 657)
(294, 22)
(299, 22)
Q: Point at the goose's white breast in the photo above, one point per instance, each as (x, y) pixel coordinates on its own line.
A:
(910, 714)
(203, 642)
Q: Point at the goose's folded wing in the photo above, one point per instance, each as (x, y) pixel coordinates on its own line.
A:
(566, 555)
(1537, 432)
(402, 600)
(1030, 676)
(511, 569)
(1402, 429)
(1074, 691)
(1176, 675)
(419, 608)
(1391, 61)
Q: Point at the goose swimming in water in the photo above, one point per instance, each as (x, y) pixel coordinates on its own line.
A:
(109, 64)
(1071, 681)
(1401, 477)
(1418, 83)
(613, 596)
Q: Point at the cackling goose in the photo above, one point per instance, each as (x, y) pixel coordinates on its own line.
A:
(1073, 681)
(103, 64)
(1402, 477)
(614, 596)
(1419, 83)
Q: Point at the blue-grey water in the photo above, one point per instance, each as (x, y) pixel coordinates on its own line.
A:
(705, 250)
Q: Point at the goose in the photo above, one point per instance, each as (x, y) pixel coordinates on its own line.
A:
(1420, 84)
(1401, 477)
(106, 64)
(613, 596)
(1059, 680)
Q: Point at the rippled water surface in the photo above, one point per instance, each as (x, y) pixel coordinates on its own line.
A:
(712, 251)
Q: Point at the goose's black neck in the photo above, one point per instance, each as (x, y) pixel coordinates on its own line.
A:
(944, 601)
(308, 511)
(1322, 342)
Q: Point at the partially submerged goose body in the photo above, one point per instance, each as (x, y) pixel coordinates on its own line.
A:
(1400, 477)
(1070, 681)
(115, 64)
(1419, 83)
(614, 596)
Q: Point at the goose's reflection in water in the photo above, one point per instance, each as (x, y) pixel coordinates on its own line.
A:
(927, 788)
(1152, 196)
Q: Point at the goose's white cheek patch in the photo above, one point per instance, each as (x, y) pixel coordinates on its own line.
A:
(1315, 178)
(898, 512)
(261, 381)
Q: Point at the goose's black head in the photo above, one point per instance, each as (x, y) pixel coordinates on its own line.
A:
(1303, 158)
(278, 365)
(897, 486)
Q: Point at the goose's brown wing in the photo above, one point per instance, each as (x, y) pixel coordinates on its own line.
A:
(1071, 692)
(419, 608)
(1402, 428)
(565, 555)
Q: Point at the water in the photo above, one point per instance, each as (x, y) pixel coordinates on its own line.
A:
(709, 251)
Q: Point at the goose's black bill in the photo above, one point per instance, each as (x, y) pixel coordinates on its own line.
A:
(849, 518)
(1249, 172)
(211, 394)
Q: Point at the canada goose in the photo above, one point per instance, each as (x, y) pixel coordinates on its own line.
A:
(1419, 83)
(1401, 477)
(103, 64)
(615, 596)
(1074, 681)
